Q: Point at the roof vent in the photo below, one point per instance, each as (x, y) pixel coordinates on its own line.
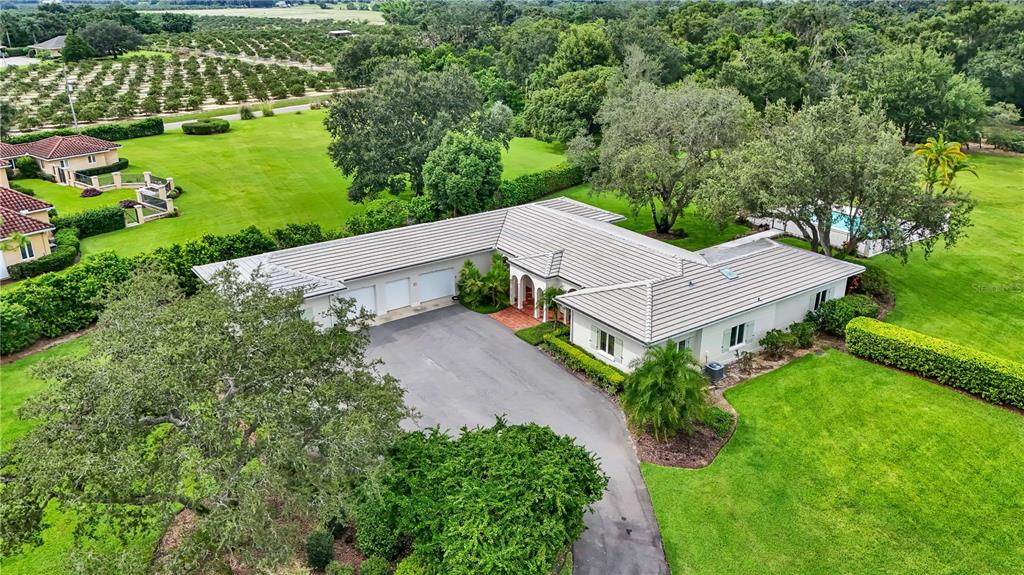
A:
(728, 273)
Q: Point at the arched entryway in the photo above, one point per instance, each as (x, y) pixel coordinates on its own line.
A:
(528, 289)
(513, 291)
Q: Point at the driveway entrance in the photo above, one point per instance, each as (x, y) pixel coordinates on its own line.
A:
(460, 368)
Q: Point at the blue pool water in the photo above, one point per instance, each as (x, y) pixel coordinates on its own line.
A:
(841, 221)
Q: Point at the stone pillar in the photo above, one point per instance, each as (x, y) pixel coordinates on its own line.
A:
(521, 295)
(148, 177)
(536, 302)
(170, 184)
(139, 215)
(117, 180)
(95, 181)
(170, 204)
(545, 313)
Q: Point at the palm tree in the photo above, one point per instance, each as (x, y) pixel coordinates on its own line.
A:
(665, 392)
(943, 160)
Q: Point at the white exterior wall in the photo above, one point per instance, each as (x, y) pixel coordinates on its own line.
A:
(580, 334)
(317, 307)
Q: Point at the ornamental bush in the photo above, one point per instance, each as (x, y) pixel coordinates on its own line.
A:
(246, 113)
(374, 566)
(874, 282)
(319, 549)
(335, 568)
(92, 222)
(112, 132)
(28, 168)
(19, 331)
(90, 193)
(206, 127)
(665, 392)
(777, 343)
(530, 187)
(804, 332)
(61, 257)
(381, 214)
(576, 359)
(412, 565)
(834, 314)
(375, 529)
(996, 379)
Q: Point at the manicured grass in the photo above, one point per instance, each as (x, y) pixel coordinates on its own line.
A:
(843, 466)
(267, 172)
(527, 155)
(700, 232)
(229, 110)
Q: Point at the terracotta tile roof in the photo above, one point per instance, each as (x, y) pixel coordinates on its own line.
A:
(19, 202)
(13, 222)
(9, 151)
(65, 147)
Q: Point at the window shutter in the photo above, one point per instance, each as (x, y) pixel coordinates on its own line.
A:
(593, 336)
(748, 332)
(618, 351)
(725, 339)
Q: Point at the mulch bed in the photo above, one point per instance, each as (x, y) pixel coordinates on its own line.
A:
(345, 551)
(692, 451)
(665, 237)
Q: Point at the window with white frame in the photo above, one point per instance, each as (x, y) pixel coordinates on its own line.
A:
(686, 344)
(92, 159)
(63, 163)
(820, 298)
(26, 251)
(606, 342)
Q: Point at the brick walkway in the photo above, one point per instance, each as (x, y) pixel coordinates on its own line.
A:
(514, 318)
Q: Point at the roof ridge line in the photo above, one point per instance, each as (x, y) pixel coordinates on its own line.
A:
(610, 287)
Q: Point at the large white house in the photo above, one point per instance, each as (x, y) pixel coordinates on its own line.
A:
(625, 291)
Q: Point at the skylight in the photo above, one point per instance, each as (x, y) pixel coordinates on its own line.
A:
(728, 273)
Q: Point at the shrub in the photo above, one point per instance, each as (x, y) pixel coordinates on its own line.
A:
(665, 392)
(61, 257)
(267, 111)
(535, 335)
(719, 420)
(412, 565)
(28, 168)
(127, 204)
(375, 529)
(19, 331)
(875, 283)
(804, 332)
(293, 235)
(335, 568)
(319, 549)
(778, 344)
(421, 209)
(246, 113)
(529, 187)
(381, 214)
(374, 566)
(110, 168)
(834, 314)
(113, 131)
(576, 359)
(206, 127)
(996, 379)
(92, 222)
(745, 361)
(90, 193)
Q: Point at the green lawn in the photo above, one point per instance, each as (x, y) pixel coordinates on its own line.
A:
(267, 172)
(700, 233)
(842, 466)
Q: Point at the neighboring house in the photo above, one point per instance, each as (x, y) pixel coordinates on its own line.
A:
(28, 218)
(62, 156)
(626, 291)
(5, 164)
(53, 45)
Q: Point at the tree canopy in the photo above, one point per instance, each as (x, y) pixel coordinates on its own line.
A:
(463, 173)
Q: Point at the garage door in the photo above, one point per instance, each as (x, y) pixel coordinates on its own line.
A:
(437, 284)
(365, 298)
(396, 294)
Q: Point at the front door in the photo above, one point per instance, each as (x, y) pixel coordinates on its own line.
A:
(59, 173)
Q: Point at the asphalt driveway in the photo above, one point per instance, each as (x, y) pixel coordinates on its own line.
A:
(460, 368)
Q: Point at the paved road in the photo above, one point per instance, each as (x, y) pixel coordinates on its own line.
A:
(461, 368)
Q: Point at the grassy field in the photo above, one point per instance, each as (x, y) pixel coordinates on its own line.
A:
(266, 172)
(842, 466)
(699, 232)
(305, 12)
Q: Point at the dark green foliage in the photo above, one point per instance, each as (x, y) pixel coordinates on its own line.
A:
(489, 290)
(804, 332)
(246, 113)
(381, 214)
(75, 48)
(462, 174)
(28, 167)
(180, 258)
(206, 127)
(574, 358)
(665, 393)
(993, 378)
(19, 331)
(374, 566)
(115, 167)
(535, 335)
(335, 568)
(319, 549)
(112, 132)
(875, 283)
(719, 420)
(61, 257)
(92, 222)
(412, 565)
(834, 314)
(110, 38)
(376, 533)
(293, 235)
(502, 500)
(530, 187)
(778, 344)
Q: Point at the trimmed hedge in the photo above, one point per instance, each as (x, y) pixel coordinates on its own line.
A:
(578, 360)
(115, 167)
(996, 379)
(93, 222)
(530, 187)
(535, 335)
(111, 132)
(834, 314)
(61, 257)
(206, 127)
(19, 330)
(319, 549)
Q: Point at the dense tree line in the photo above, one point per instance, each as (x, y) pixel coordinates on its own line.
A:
(25, 27)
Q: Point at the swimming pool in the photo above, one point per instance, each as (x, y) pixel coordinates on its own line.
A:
(841, 221)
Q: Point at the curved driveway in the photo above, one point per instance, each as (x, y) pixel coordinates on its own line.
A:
(460, 368)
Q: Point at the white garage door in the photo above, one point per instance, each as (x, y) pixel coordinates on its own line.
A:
(437, 284)
(396, 294)
(365, 298)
